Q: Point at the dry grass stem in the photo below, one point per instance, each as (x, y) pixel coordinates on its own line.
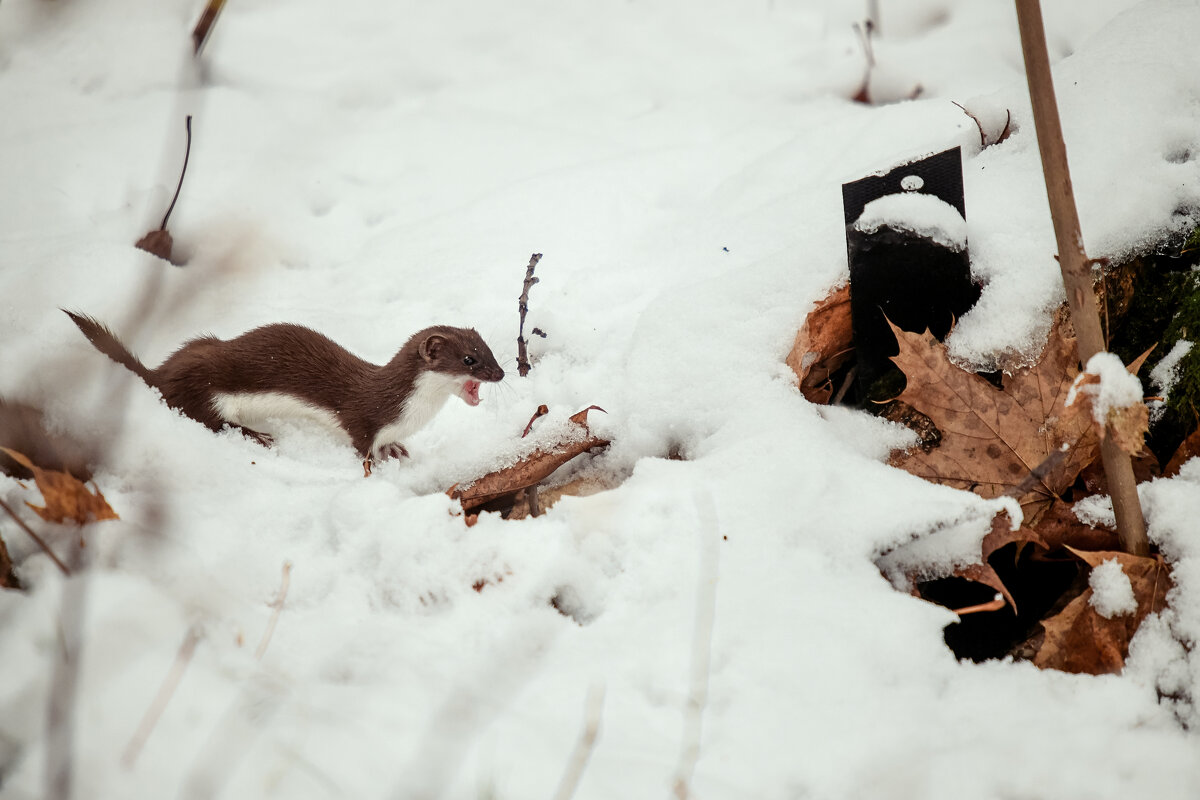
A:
(584, 747)
(165, 692)
(276, 604)
(706, 612)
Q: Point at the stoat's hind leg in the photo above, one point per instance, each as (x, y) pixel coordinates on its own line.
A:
(262, 438)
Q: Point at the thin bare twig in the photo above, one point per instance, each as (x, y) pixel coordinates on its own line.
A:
(995, 604)
(864, 31)
(542, 411)
(706, 612)
(40, 541)
(187, 155)
(583, 747)
(277, 604)
(165, 692)
(1074, 262)
(523, 306)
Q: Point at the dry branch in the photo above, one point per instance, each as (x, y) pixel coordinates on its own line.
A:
(523, 307)
(1073, 260)
(40, 541)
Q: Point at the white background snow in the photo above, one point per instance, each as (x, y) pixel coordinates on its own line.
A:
(370, 168)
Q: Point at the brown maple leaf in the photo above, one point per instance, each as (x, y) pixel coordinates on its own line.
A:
(1188, 449)
(67, 498)
(823, 344)
(1078, 639)
(1021, 440)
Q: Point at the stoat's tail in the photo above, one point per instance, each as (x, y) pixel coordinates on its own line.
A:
(107, 342)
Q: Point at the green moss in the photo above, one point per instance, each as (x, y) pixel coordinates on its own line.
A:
(1185, 324)
(1166, 308)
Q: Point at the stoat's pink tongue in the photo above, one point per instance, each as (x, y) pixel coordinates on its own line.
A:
(470, 392)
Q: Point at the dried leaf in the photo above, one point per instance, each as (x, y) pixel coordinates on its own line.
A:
(1059, 527)
(1128, 426)
(1002, 534)
(548, 496)
(1079, 640)
(66, 498)
(1187, 450)
(823, 344)
(528, 471)
(994, 439)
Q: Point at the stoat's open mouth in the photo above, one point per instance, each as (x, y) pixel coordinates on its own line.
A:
(470, 392)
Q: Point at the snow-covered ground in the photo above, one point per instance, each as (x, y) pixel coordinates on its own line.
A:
(370, 168)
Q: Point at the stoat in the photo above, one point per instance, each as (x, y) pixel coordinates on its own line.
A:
(289, 371)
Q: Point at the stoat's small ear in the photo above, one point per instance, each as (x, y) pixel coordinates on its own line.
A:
(432, 346)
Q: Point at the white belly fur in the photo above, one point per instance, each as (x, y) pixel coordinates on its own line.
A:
(428, 396)
(255, 410)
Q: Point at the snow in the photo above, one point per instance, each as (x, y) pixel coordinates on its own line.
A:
(1112, 593)
(1117, 387)
(1164, 375)
(925, 215)
(379, 168)
(1095, 510)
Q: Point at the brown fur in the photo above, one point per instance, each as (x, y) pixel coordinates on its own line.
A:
(301, 362)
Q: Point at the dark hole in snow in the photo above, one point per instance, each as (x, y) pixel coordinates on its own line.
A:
(1038, 585)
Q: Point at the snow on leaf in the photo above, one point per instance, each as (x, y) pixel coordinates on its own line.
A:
(1021, 440)
(1113, 397)
(1078, 639)
(67, 498)
(529, 471)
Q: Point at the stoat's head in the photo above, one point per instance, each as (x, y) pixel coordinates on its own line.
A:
(458, 353)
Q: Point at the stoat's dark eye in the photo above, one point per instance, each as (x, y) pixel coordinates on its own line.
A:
(468, 361)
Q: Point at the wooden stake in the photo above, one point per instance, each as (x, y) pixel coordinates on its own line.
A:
(1074, 262)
